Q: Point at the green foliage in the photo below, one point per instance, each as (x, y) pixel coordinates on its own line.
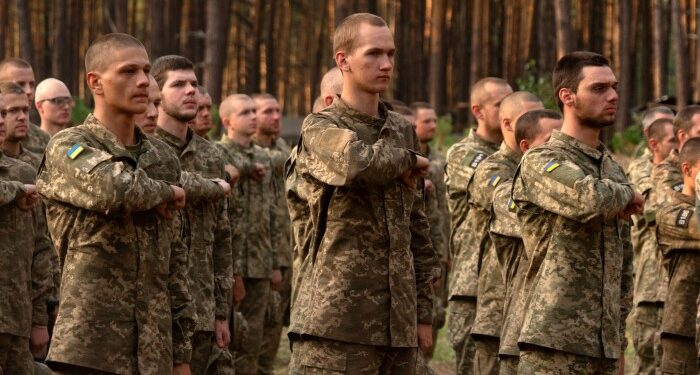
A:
(542, 86)
(444, 138)
(216, 128)
(630, 139)
(80, 111)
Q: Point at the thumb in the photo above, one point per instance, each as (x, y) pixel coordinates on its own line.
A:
(219, 339)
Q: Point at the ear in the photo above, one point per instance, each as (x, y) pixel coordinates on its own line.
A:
(524, 145)
(226, 123)
(682, 137)
(507, 124)
(328, 100)
(476, 111)
(39, 108)
(94, 82)
(567, 97)
(685, 169)
(342, 61)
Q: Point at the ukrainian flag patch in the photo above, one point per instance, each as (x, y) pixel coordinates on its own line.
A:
(74, 151)
(511, 205)
(494, 180)
(551, 166)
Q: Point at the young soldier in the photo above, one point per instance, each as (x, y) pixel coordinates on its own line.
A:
(254, 213)
(366, 280)
(25, 275)
(331, 86)
(573, 201)
(54, 103)
(202, 123)
(462, 159)
(267, 136)
(109, 191)
(20, 72)
(148, 121)
(532, 129)
(679, 241)
(203, 178)
(17, 124)
(499, 166)
(650, 277)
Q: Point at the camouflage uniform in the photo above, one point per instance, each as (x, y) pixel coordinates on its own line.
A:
(125, 303)
(278, 304)
(666, 177)
(679, 241)
(462, 159)
(569, 196)
(254, 214)
(36, 139)
(10, 190)
(25, 274)
(209, 239)
(366, 279)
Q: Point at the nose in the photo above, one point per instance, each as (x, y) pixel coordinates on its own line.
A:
(387, 63)
(143, 80)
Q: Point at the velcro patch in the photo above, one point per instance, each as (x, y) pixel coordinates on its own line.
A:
(478, 158)
(551, 166)
(678, 187)
(683, 217)
(74, 151)
(494, 180)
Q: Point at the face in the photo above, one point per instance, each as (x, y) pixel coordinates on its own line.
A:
(595, 100)
(147, 121)
(489, 109)
(691, 172)
(426, 123)
(692, 133)
(269, 115)
(17, 108)
(655, 117)
(178, 94)
(3, 114)
(57, 106)
(243, 119)
(123, 85)
(202, 122)
(666, 143)
(21, 76)
(371, 64)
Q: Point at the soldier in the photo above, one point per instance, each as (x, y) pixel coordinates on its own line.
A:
(366, 279)
(650, 278)
(267, 136)
(26, 268)
(573, 202)
(462, 159)
(499, 166)
(20, 72)
(16, 124)
(254, 212)
(202, 123)
(331, 86)
(532, 129)
(203, 178)
(641, 152)
(54, 103)
(109, 192)
(148, 121)
(679, 241)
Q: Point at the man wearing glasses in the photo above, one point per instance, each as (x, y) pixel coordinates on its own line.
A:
(54, 104)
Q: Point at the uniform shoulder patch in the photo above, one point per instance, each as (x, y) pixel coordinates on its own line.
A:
(478, 158)
(494, 180)
(549, 167)
(683, 217)
(74, 151)
(511, 206)
(677, 187)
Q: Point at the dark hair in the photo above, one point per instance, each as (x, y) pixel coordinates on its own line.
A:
(528, 125)
(684, 118)
(101, 50)
(167, 63)
(690, 153)
(656, 129)
(8, 87)
(567, 73)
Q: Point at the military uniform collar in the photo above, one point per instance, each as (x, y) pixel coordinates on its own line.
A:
(513, 155)
(362, 117)
(476, 138)
(110, 141)
(679, 197)
(673, 157)
(595, 153)
(235, 145)
(182, 145)
(258, 143)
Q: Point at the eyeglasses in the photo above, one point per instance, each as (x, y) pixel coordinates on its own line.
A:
(60, 101)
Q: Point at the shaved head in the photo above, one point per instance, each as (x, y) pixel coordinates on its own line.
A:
(482, 89)
(99, 54)
(50, 88)
(228, 105)
(513, 105)
(332, 82)
(12, 62)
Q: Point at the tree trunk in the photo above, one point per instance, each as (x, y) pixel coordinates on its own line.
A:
(680, 44)
(25, 31)
(562, 17)
(253, 57)
(625, 68)
(215, 46)
(476, 69)
(59, 60)
(437, 61)
(696, 91)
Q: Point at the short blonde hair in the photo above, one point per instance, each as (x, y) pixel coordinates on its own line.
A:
(346, 32)
(227, 107)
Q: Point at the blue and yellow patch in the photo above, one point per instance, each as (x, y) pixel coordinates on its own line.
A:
(74, 151)
(551, 166)
(511, 205)
(494, 180)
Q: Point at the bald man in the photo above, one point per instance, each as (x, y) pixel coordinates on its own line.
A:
(53, 101)
(19, 71)
(331, 85)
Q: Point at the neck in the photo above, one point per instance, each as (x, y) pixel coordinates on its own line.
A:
(360, 100)
(242, 139)
(118, 123)
(688, 188)
(264, 139)
(51, 128)
(172, 125)
(510, 143)
(483, 132)
(11, 148)
(586, 134)
(657, 159)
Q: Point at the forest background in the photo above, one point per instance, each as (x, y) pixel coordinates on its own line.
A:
(443, 46)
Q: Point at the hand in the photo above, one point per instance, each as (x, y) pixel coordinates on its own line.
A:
(181, 369)
(635, 206)
(233, 173)
(26, 201)
(175, 203)
(259, 172)
(238, 289)
(422, 166)
(429, 186)
(276, 279)
(425, 337)
(224, 186)
(409, 179)
(222, 334)
(38, 338)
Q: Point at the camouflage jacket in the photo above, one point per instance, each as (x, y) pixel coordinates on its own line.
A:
(462, 159)
(367, 276)
(36, 140)
(9, 190)
(124, 293)
(666, 177)
(679, 241)
(279, 153)
(569, 196)
(497, 168)
(209, 238)
(25, 279)
(252, 212)
(436, 205)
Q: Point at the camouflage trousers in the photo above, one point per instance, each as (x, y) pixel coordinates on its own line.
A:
(274, 319)
(15, 357)
(486, 356)
(459, 325)
(646, 338)
(508, 365)
(64, 369)
(680, 355)
(536, 360)
(207, 358)
(253, 306)
(315, 355)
